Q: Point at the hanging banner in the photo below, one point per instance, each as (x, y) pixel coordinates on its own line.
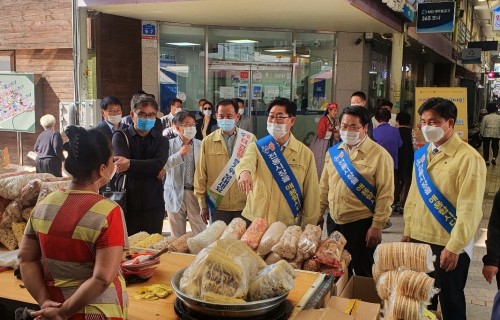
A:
(459, 97)
(435, 17)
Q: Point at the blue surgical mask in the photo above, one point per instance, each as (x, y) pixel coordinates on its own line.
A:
(145, 124)
(226, 124)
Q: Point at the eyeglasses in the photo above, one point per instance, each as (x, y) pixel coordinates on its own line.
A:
(279, 117)
(207, 108)
(143, 115)
(351, 127)
(188, 125)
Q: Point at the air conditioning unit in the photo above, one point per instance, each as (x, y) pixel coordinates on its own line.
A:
(90, 113)
(67, 115)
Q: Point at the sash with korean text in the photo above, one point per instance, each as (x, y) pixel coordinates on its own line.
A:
(442, 209)
(226, 177)
(358, 185)
(281, 171)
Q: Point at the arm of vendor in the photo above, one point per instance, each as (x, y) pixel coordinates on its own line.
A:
(264, 197)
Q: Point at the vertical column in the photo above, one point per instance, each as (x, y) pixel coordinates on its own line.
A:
(396, 70)
(150, 61)
(83, 72)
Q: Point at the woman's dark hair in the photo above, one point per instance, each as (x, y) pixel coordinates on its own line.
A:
(87, 151)
(491, 107)
(383, 115)
(362, 113)
(290, 106)
(443, 107)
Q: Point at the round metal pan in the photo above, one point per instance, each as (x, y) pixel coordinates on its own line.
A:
(248, 309)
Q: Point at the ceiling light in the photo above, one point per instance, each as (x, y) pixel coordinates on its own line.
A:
(305, 55)
(183, 44)
(242, 41)
(277, 50)
(372, 72)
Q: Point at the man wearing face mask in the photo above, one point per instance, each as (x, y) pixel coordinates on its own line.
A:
(358, 98)
(245, 120)
(444, 204)
(357, 185)
(111, 111)
(141, 155)
(278, 173)
(214, 176)
(167, 121)
(180, 202)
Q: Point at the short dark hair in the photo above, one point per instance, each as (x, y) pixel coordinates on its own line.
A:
(202, 99)
(174, 101)
(383, 115)
(238, 100)
(444, 107)
(387, 103)
(180, 116)
(491, 107)
(87, 151)
(105, 102)
(360, 94)
(225, 102)
(144, 100)
(362, 113)
(403, 118)
(290, 106)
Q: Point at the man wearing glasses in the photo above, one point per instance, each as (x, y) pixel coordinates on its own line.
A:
(278, 173)
(357, 185)
(141, 153)
(214, 177)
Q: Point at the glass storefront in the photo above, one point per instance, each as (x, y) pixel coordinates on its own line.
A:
(255, 66)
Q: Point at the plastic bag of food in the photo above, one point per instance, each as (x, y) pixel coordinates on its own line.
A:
(385, 284)
(272, 281)
(416, 285)
(11, 173)
(8, 239)
(18, 230)
(3, 204)
(273, 258)
(405, 308)
(49, 187)
(180, 244)
(10, 188)
(255, 232)
(29, 193)
(413, 256)
(311, 265)
(206, 237)
(26, 214)
(137, 237)
(13, 213)
(235, 229)
(308, 241)
(287, 246)
(296, 262)
(162, 244)
(149, 241)
(330, 250)
(271, 237)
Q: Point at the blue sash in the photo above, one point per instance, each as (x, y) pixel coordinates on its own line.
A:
(358, 185)
(442, 210)
(281, 171)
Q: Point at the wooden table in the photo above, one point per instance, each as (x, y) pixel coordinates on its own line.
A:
(306, 285)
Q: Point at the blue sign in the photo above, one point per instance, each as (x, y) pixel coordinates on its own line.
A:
(148, 29)
(435, 17)
(408, 12)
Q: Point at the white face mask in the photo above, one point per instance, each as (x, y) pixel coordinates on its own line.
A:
(349, 137)
(178, 110)
(108, 178)
(115, 119)
(277, 130)
(241, 111)
(189, 132)
(432, 134)
(207, 112)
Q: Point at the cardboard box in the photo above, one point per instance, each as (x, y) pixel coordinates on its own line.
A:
(357, 309)
(322, 314)
(361, 288)
(340, 285)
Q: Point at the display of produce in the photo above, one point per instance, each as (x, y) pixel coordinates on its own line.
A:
(18, 230)
(272, 281)
(135, 238)
(415, 285)
(180, 244)
(406, 308)
(287, 246)
(48, 187)
(162, 244)
(8, 239)
(153, 292)
(271, 237)
(10, 188)
(273, 258)
(206, 237)
(330, 251)
(29, 193)
(150, 241)
(13, 213)
(413, 256)
(311, 265)
(386, 283)
(308, 241)
(255, 232)
(235, 229)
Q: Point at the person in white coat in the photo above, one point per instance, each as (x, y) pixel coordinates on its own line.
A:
(180, 202)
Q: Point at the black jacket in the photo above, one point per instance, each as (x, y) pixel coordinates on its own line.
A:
(106, 130)
(492, 257)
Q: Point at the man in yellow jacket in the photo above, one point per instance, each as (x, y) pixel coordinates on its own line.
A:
(444, 205)
(266, 199)
(220, 152)
(358, 188)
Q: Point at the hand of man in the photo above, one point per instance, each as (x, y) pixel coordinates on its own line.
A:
(122, 164)
(489, 272)
(245, 182)
(161, 174)
(185, 149)
(373, 236)
(448, 260)
(405, 239)
(204, 215)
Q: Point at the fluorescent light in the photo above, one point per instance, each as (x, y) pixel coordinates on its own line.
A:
(277, 50)
(242, 41)
(372, 72)
(183, 44)
(305, 55)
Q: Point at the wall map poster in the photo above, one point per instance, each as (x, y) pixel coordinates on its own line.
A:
(17, 102)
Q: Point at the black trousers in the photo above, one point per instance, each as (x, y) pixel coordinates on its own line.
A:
(49, 165)
(149, 220)
(486, 147)
(452, 285)
(362, 256)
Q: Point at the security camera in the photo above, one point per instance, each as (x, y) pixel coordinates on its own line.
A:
(358, 41)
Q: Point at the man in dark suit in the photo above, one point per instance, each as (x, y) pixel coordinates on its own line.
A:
(111, 111)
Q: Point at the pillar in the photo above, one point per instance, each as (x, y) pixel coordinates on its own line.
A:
(396, 70)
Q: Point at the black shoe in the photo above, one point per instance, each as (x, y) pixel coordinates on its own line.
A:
(487, 163)
(494, 161)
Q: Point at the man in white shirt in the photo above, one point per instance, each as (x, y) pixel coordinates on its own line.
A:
(167, 121)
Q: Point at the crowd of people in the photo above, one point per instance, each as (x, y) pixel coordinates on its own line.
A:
(210, 166)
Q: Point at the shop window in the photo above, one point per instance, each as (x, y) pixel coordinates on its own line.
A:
(7, 61)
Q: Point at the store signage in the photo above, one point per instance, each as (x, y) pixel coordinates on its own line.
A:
(243, 74)
(435, 17)
(484, 45)
(496, 24)
(471, 55)
(148, 31)
(408, 12)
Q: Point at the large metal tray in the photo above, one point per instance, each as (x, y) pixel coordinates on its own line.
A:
(248, 309)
